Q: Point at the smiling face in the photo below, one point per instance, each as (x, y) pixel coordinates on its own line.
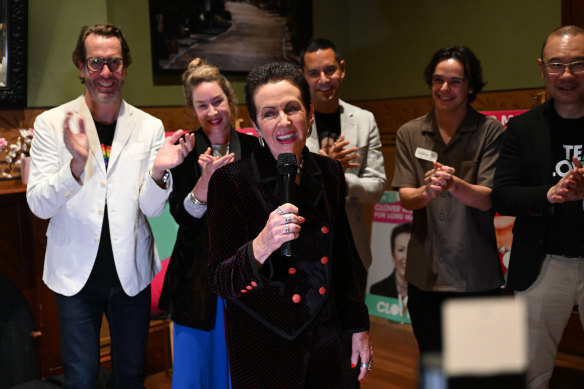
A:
(103, 86)
(400, 250)
(324, 76)
(282, 120)
(566, 88)
(449, 86)
(212, 109)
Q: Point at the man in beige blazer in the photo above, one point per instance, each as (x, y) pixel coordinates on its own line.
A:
(346, 133)
(99, 167)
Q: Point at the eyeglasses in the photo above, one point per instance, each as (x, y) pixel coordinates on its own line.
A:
(560, 68)
(95, 64)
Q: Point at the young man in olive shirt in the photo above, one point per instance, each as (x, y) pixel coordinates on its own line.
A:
(444, 170)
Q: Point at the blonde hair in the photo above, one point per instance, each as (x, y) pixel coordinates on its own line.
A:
(199, 71)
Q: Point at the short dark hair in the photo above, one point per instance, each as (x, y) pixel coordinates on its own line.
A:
(405, 228)
(569, 30)
(271, 73)
(471, 64)
(106, 30)
(316, 44)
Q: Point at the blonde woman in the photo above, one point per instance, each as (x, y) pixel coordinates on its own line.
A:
(200, 355)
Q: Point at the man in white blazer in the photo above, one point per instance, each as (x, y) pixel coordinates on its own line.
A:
(347, 133)
(99, 167)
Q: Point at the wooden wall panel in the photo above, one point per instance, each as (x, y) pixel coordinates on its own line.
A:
(573, 12)
(390, 114)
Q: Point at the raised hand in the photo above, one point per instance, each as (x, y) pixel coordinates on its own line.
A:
(171, 153)
(340, 153)
(209, 164)
(77, 144)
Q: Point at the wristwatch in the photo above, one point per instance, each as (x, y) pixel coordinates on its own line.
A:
(164, 180)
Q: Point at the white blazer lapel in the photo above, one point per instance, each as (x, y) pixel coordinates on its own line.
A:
(124, 128)
(91, 131)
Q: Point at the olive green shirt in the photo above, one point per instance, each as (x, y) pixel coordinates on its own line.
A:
(453, 246)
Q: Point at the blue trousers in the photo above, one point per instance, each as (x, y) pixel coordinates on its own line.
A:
(80, 319)
(200, 357)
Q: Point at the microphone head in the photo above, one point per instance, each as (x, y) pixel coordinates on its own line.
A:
(287, 164)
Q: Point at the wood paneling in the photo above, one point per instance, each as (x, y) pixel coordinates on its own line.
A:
(573, 12)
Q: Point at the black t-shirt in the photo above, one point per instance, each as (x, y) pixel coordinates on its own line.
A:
(328, 127)
(104, 270)
(565, 233)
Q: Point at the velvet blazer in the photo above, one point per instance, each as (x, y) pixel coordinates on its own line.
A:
(185, 292)
(287, 293)
(521, 183)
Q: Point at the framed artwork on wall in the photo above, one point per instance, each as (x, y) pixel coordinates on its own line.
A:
(235, 36)
(13, 46)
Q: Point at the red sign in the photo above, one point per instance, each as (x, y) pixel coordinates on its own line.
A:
(504, 116)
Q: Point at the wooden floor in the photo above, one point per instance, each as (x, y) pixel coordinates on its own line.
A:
(396, 362)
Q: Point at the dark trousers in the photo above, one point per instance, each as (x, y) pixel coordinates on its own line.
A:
(425, 310)
(80, 319)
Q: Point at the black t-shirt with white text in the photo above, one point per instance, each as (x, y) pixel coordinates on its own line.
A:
(565, 232)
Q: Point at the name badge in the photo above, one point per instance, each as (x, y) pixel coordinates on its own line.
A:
(427, 155)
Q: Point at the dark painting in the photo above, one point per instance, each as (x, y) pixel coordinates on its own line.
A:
(236, 36)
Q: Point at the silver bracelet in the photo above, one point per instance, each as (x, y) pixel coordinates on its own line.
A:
(194, 207)
(195, 200)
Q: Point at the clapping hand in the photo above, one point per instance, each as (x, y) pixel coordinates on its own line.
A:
(439, 179)
(77, 144)
(171, 153)
(209, 163)
(340, 153)
(570, 187)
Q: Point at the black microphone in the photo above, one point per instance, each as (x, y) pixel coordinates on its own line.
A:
(287, 168)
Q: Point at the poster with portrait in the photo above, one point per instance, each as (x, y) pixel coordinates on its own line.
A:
(390, 232)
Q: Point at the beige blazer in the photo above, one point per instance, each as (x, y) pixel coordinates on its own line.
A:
(76, 209)
(366, 183)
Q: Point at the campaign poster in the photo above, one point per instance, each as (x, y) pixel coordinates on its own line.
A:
(390, 233)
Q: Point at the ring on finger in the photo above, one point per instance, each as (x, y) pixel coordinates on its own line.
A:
(287, 228)
(280, 212)
(287, 218)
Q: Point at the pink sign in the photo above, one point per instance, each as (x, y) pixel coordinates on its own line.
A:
(391, 213)
(504, 116)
